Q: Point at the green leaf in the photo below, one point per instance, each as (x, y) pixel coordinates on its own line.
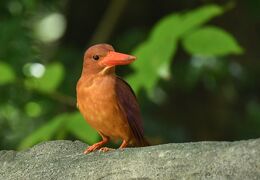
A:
(148, 72)
(44, 133)
(177, 25)
(211, 41)
(58, 127)
(155, 55)
(50, 81)
(198, 17)
(7, 74)
(77, 125)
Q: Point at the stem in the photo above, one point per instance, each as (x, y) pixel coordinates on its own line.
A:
(108, 21)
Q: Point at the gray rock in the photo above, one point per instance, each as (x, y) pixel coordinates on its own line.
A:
(201, 160)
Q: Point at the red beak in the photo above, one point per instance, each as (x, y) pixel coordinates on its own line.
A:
(114, 58)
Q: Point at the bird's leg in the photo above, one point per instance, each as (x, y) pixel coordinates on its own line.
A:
(97, 145)
(105, 149)
(124, 144)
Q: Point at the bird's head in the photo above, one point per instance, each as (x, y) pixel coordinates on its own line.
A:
(102, 58)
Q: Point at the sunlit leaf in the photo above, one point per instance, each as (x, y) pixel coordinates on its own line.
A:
(56, 128)
(179, 24)
(147, 69)
(194, 19)
(78, 127)
(44, 133)
(7, 74)
(211, 41)
(155, 55)
(50, 81)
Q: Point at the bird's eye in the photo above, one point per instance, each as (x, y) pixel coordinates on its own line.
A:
(96, 57)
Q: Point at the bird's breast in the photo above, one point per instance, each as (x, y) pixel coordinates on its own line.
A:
(97, 102)
(96, 96)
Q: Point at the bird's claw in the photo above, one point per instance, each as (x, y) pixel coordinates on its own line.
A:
(105, 149)
(91, 148)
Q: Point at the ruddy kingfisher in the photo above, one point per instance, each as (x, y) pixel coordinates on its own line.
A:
(106, 101)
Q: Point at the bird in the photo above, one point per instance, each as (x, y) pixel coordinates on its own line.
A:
(106, 101)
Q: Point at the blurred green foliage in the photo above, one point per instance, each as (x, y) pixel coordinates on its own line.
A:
(50, 80)
(157, 52)
(221, 44)
(58, 127)
(199, 98)
(7, 74)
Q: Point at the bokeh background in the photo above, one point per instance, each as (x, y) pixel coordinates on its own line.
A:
(197, 76)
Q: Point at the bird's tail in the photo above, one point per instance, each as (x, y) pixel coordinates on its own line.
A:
(145, 142)
(142, 142)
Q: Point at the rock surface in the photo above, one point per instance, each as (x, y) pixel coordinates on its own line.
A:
(202, 160)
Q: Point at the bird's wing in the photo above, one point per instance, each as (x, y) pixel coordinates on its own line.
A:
(128, 104)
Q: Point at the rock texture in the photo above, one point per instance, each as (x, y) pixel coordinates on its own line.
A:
(201, 160)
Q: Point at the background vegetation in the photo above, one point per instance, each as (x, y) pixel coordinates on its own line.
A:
(197, 74)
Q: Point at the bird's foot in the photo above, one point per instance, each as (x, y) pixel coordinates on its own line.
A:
(105, 149)
(121, 149)
(92, 148)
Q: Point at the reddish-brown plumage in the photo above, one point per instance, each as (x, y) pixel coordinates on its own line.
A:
(106, 101)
